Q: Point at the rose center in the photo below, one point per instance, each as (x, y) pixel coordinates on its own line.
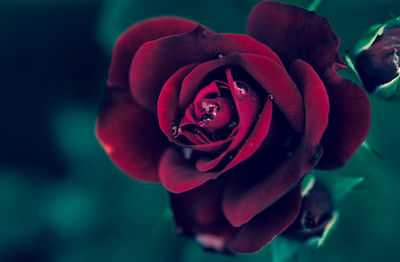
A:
(214, 113)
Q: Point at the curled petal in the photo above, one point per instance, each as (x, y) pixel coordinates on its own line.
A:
(295, 33)
(165, 56)
(178, 175)
(244, 197)
(262, 229)
(349, 121)
(124, 129)
(133, 38)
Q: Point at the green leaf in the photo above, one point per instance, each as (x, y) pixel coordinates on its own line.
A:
(350, 64)
(339, 185)
(314, 5)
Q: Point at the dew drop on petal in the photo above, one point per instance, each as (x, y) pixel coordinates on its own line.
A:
(240, 90)
(187, 153)
(271, 97)
(176, 131)
(232, 125)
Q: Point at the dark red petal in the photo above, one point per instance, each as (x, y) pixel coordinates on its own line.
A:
(295, 33)
(275, 80)
(198, 213)
(248, 108)
(256, 137)
(157, 60)
(178, 175)
(349, 121)
(284, 92)
(243, 199)
(266, 71)
(168, 112)
(133, 38)
(265, 226)
(167, 106)
(130, 135)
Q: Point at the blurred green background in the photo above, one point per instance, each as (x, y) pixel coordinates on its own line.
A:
(61, 199)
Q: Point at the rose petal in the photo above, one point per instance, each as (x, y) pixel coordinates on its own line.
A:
(349, 121)
(198, 213)
(165, 56)
(133, 38)
(269, 74)
(178, 175)
(295, 33)
(265, 226)
(167, 106)
(248, 106)
(244, 197)
(130, 135)
(285, 95)
(168, 112)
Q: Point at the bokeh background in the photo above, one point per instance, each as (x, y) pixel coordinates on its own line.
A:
(61, 199)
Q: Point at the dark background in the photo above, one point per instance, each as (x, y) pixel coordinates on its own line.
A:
(61, 199)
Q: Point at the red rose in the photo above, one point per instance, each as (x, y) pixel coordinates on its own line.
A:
(229, 124)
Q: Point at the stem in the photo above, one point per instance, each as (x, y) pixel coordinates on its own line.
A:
(314, 5)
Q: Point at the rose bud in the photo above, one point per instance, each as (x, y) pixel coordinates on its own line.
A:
(229, 124)
(315, 214)
(377, 59)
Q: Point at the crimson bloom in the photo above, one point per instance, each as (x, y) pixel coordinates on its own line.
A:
(229, 124)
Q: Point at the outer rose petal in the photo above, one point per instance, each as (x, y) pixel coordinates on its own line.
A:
(165, 56)
(130, 135)
(133, 38)
(349, 121)
(179, 175)
(295, 33)
(198, 213)
(245, 198)
(264, 227)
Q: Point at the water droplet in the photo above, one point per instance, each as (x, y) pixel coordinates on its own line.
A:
(187, 153)
(232, 125)
(208, 117)
(230, 157)
(176, 131)
(240, 90)
(271, 97)
(254, 98)
(220, 55)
